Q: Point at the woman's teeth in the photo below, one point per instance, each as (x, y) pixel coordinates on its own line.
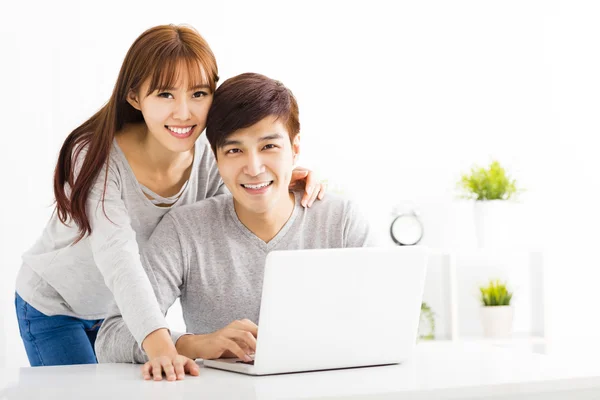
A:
(181, 131)
(259, 186)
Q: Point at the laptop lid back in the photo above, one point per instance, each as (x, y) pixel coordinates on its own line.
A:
(339, 308)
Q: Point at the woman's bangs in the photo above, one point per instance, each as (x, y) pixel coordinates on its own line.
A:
(170, 73)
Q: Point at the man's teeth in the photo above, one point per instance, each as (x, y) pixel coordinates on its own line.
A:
(262, 185)
(181, 131)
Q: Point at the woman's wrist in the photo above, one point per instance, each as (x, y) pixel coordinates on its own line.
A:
(159, 343)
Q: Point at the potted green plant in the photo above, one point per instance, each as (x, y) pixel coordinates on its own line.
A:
(426, 323)
(493, 191)
(496, 310)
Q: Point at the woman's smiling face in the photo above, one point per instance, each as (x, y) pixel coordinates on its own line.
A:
(175, 116)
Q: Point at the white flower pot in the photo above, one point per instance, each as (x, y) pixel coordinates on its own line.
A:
(494, 223)
(3, 347)
(497, 321)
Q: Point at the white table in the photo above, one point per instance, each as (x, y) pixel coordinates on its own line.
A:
(437, 371)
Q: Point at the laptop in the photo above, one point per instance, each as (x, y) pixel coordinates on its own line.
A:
(336, 308)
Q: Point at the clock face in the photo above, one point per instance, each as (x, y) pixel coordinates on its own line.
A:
(406, 230)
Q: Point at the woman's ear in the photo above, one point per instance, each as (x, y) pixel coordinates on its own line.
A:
(132, 98)
(296, 147)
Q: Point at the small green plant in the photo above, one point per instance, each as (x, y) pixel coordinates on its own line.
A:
(495, 294)
(427, 318)
(488, 184)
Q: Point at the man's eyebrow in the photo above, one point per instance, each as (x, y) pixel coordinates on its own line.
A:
(230, 142)
(271, 137)
(233, 142)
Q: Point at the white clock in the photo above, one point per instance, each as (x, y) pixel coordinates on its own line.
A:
(406, 229)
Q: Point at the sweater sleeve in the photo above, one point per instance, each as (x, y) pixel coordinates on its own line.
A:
(163, 259)
(116, 254)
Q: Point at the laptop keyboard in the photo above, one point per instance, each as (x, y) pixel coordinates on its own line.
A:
(246, 362)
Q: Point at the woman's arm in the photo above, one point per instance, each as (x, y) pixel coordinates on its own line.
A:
(116, 254)
(165, 266)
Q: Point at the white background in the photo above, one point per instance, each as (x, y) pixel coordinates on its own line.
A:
(396, 100)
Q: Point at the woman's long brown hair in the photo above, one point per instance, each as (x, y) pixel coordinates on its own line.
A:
(157, 54)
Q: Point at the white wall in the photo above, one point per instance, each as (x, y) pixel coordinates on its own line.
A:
(396, 101)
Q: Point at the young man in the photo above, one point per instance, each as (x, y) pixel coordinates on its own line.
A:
(211, 254)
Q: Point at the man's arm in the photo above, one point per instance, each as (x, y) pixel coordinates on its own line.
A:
(164, 263)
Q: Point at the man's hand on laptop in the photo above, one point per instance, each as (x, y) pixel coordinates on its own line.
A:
(238, 339)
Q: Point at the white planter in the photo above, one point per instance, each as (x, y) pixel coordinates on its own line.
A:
(497, 321)
(495, 223)
(3, 347)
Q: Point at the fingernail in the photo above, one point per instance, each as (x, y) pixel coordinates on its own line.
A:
(247, 358)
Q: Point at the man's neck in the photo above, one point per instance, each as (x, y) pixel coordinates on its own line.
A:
(267, 225)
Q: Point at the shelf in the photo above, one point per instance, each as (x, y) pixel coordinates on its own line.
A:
(535, 344)
(451, 290)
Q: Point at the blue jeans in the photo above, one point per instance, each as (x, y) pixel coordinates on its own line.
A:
(58, 339)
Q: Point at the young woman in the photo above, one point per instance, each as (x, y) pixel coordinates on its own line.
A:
(117, 175)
